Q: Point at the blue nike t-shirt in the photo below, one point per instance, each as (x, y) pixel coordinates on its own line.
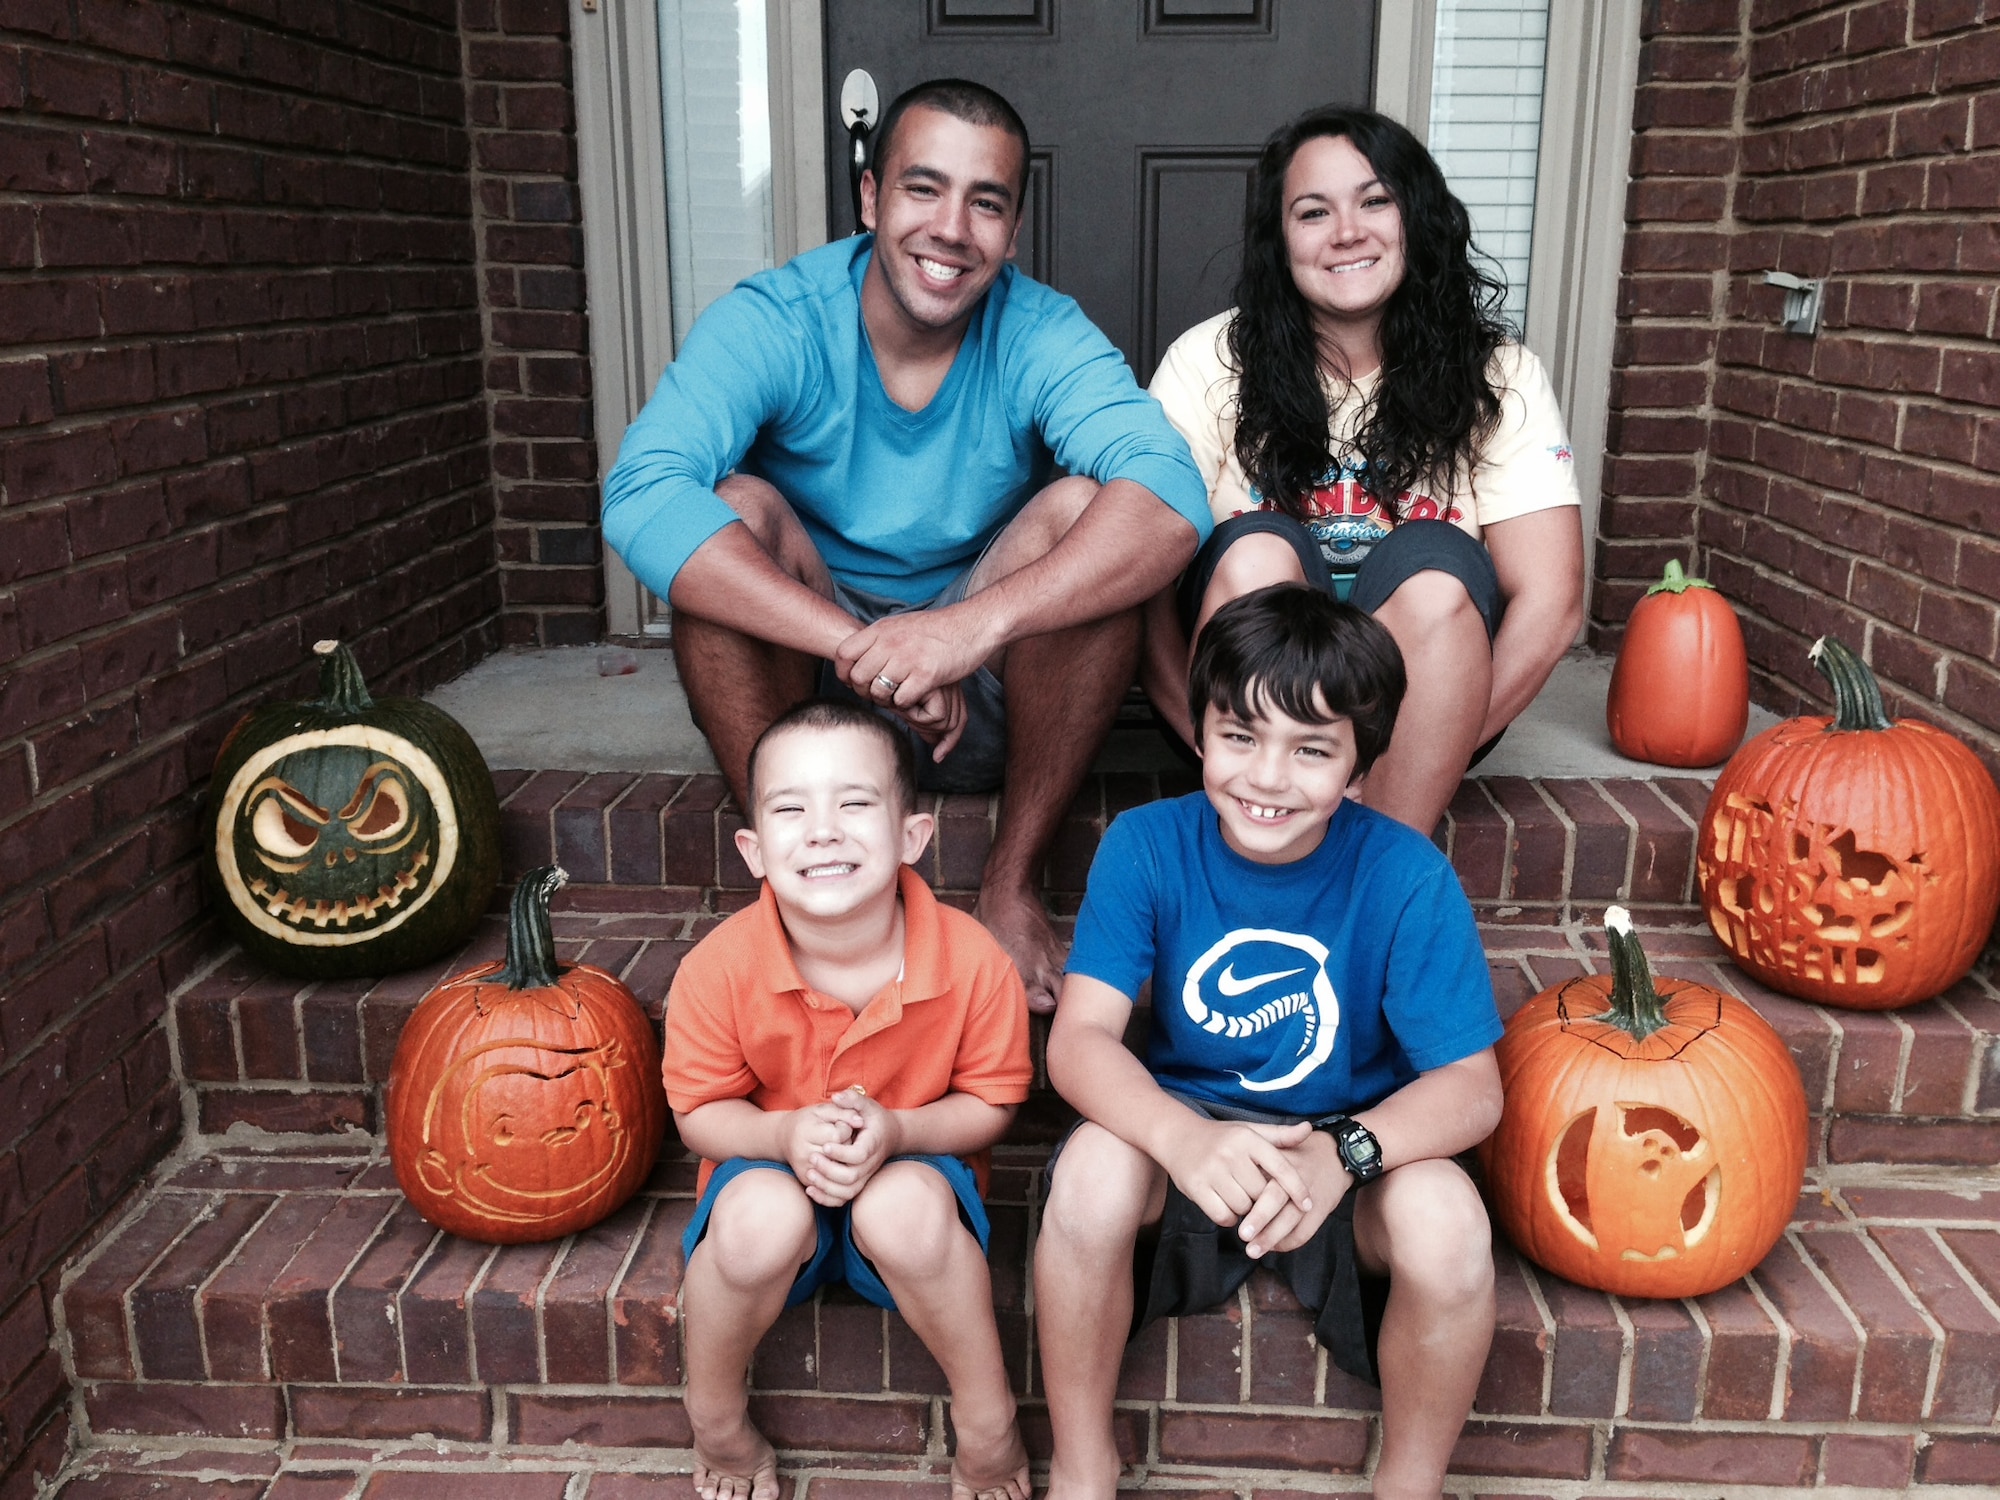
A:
(1311, 988)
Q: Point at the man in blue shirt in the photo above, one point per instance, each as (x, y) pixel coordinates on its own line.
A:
(846, 480)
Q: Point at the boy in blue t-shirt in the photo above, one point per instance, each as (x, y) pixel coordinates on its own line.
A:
(1321, 1048)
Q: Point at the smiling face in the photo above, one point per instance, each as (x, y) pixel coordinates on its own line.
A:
(829, 831)
(945, 208)
(1343, 235)
(1275, 781)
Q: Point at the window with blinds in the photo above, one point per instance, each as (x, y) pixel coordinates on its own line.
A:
(716, 114)
(1486, 124)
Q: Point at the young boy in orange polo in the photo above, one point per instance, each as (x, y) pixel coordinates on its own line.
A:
(843, 1055)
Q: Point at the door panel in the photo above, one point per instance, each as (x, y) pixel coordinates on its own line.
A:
(1145, 115)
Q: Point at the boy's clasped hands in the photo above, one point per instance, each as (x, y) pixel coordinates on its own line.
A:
(835, 1147)
(1275, 1183)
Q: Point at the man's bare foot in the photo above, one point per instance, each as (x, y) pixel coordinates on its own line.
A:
(1020, 924)
(997, 1471)
(741, 1466)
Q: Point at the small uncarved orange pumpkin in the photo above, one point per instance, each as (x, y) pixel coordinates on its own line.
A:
(525, 1100)
(1653, 1141)
(1680, 692)
(1852, 860)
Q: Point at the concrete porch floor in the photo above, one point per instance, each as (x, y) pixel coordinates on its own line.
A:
(557, 710)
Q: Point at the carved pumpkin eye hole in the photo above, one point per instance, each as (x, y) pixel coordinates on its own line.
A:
(381, 806)
(285, 824)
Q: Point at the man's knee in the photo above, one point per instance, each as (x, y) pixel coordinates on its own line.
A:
(759, 506)
(1435, 1235)
(762, 1227)
(1102, 1192)
(906, 1218)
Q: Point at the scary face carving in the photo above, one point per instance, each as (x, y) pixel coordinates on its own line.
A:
(350, 835)
(328, 839)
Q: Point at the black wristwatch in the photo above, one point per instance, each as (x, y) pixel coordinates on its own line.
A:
(1359, 1151)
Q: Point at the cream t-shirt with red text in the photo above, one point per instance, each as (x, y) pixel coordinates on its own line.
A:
(1525, 464)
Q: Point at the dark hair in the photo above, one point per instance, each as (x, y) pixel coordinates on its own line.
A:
(1435, 402)
(840, 713)
(962, 99)
(1305, 654)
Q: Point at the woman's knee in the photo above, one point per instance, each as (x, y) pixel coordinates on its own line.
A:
(1433, 1232)
(1431, 603)
(762, 1226)
(1251, 562)
(906, 1217)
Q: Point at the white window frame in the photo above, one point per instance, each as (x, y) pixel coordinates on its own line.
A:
(1581, 176)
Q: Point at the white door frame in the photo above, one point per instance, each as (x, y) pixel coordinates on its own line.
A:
(1586, 142)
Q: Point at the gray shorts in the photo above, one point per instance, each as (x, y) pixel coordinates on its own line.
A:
(978, 763)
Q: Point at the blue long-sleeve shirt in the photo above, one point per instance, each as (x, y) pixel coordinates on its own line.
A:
(777, 380)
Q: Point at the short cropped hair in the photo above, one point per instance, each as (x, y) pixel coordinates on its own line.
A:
(1306, 654)
(962, 99)
(841, 713)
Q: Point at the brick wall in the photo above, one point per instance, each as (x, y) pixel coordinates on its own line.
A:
(1849, 482)
(241, 407)
(530, 224)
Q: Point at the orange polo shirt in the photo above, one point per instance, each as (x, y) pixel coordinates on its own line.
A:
(742, 1024)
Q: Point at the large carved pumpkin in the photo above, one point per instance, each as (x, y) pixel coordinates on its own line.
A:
(1680, 692)
(525, 1100)
(1653, 1140)
(350, 835)
(1852, 860)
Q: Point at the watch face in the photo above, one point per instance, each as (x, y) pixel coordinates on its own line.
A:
(1359, 1146)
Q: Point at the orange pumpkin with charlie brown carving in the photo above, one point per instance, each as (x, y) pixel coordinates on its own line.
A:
(1653, 1141)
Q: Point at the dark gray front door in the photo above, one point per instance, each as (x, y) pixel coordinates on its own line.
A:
(1145, 115)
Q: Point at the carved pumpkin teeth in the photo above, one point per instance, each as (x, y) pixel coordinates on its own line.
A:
(322, 913)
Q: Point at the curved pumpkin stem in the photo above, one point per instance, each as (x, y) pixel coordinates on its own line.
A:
(1636, 1006)
(341, 690)
(531, 944)
(1857, 696)
(1677, 581)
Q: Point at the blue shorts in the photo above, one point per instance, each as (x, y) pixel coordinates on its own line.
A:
(835, 1257)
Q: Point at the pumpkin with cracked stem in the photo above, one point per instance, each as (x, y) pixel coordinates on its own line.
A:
(351, 835)
(525, 1100)
(1653, 1140)
(1852, 860)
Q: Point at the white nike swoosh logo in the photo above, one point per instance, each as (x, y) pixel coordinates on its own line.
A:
(1230, 985)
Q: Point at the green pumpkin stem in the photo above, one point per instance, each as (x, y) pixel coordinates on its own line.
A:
(1857, 696)
(1677, 581)
(1636, 1006)
(531, 945)
(341, 689)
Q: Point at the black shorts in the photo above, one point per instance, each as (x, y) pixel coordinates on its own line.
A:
(1187, 1264)
(1409, 549)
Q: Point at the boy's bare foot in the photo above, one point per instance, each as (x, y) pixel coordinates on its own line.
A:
(1020, 924)
(743, 1467)
(996, 1473)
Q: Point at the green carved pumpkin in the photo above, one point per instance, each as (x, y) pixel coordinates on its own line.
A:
(351, 835)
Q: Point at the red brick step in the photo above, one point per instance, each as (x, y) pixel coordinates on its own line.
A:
(291, 1298)
(1915, 1087)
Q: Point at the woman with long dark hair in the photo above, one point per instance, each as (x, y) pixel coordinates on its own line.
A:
(1368, 426)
